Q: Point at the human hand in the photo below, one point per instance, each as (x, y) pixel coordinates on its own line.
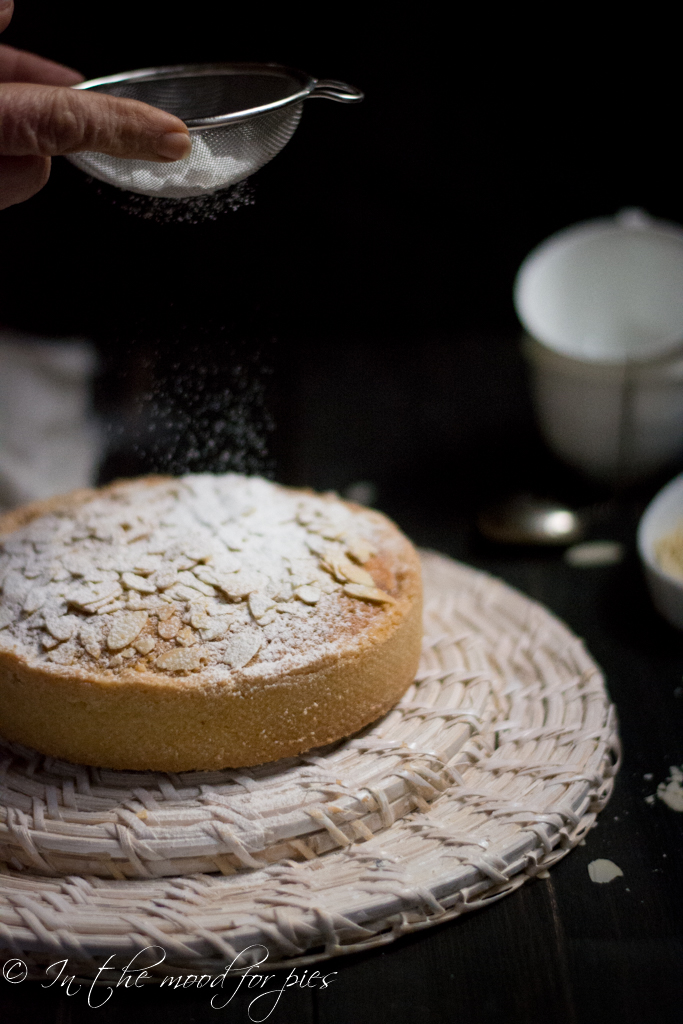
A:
(41, 117)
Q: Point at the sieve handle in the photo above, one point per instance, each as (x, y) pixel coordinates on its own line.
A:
(328, 89)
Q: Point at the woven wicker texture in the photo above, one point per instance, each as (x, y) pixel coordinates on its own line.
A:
(491, 768)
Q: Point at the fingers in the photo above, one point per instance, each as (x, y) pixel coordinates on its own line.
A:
(6, 12)
(20, 66)
(46, 120)
(21, 177)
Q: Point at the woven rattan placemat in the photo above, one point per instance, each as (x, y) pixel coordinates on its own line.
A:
(491, 768)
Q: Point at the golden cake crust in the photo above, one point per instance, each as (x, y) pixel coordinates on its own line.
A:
(350, 661)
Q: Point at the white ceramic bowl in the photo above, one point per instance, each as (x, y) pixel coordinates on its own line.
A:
(662, 515)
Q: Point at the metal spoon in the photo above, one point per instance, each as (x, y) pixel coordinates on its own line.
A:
(527, 519)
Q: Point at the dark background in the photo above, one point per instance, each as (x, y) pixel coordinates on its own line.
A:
(368, 287)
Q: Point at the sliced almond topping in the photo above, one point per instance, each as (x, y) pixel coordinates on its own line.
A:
(259, 604)
(359, 550)
(330, 531)
(187, 636)
(35, 599)
(241, 648)
(182, 593)
(292, 608)
(164, 579)
(62, 655)
(125, 629)
(182, 563)
(206, 575)
(216, 627)
(368, 593)
(133, 582)
(182, 659)
(198, 552)
(62, 627)
(316, 545)
(240, 584)
(106, 609)
(189, 579)
(309, 595)
(91, 596)
(354, 573)
(199, 618)
(232, 537)
(169, 628)
(145, 644)
(147, 564)
(344, 570)
(90, 638)
(7, 616)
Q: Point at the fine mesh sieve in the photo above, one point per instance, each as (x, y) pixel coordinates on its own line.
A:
(239, 117)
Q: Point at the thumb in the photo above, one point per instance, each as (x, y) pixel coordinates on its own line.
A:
(48, 120)
(21, 177)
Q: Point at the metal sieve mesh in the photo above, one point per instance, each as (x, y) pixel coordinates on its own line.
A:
(239, 116)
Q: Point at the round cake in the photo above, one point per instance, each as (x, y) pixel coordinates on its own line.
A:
(201, 622)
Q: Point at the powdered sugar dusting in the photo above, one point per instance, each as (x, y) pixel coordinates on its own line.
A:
(202, 573)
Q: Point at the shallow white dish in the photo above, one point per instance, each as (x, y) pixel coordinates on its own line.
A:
(662, 515)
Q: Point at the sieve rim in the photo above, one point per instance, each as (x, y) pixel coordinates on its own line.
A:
(307, 85)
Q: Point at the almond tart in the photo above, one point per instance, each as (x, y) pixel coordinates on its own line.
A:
(201, 622)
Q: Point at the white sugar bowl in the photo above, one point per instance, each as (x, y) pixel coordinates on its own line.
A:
(661, 517)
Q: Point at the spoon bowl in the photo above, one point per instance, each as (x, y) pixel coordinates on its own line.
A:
(527, 519)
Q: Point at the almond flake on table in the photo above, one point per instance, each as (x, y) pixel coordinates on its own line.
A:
(603, 871)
